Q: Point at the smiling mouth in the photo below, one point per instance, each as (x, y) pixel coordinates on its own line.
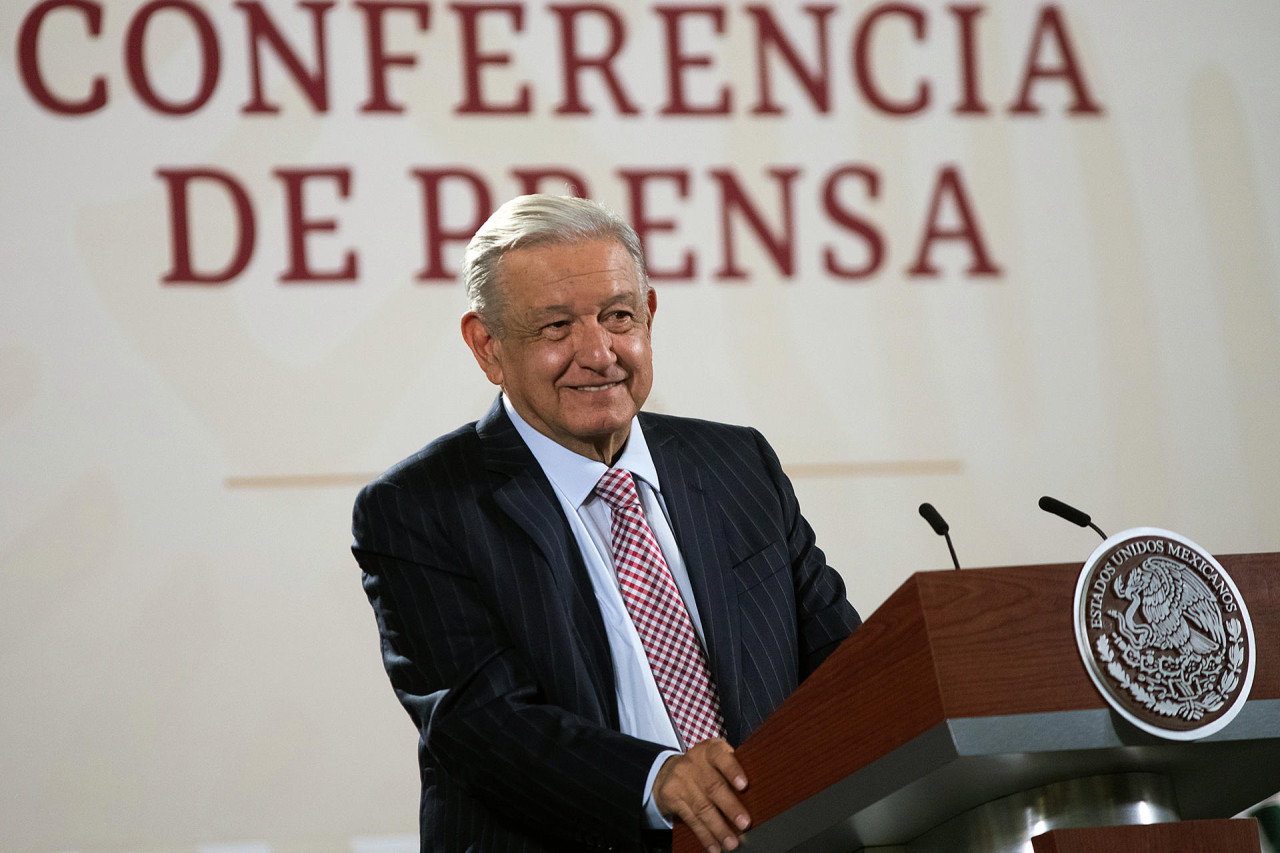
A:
(604, 387)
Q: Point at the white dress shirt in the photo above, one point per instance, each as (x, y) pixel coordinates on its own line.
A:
(641, 711)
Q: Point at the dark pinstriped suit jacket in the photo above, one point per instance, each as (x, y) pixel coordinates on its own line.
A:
(495, 646)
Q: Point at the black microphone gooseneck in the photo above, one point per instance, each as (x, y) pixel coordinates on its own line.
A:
(1069, 513)
(940, 527)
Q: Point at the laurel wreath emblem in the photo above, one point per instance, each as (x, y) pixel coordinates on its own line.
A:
(1187, 686)
(1164, 634)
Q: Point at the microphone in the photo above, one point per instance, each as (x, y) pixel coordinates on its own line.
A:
(940, 527)
(1069, 513)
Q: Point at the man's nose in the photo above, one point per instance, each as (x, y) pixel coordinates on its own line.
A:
(595, 348)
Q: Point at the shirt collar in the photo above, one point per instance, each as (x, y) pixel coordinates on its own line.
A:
(574, 474)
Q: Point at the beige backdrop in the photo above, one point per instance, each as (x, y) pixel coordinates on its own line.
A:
(186, 656)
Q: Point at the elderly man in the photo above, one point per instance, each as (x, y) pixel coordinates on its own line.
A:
(583, 606)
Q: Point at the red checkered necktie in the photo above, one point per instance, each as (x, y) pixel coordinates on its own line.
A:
(675, 657)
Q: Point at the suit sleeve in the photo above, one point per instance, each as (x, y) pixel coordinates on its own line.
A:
(482, 716)
(824, 616)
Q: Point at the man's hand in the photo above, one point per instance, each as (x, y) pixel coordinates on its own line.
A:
(699, 787)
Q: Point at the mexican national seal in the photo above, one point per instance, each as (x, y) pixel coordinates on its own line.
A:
(1164, 633)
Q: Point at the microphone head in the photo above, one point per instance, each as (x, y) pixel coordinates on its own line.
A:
(929, 514)
(1064, 511)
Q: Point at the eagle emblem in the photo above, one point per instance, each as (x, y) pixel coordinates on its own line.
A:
(1164, 633)
(1172, 608)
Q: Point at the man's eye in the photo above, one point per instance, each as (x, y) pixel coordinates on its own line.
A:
(558, 329)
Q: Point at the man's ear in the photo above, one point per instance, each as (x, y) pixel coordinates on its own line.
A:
(652, 303)
(484, 346)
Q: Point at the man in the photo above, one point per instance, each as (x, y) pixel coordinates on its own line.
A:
(581, 606)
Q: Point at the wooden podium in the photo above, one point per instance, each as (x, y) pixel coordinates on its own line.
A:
(966, 688)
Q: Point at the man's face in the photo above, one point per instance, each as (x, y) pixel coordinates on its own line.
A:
(574, 357)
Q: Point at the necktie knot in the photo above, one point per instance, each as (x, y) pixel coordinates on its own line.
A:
(618, 489)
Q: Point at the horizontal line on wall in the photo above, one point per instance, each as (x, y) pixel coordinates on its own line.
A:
(299, 481)
(884, 468)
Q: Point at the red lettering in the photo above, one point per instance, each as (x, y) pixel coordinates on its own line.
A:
(531, 180)
(436, 234)
(1051, 28)
(967, 231)
(780, 246)
(852, 222)
(816, 82)
(135, 63)
(972, 100)
(678, 61)
(29, 64)
(645, 225)
(473, 58)
(260, 27)
(182, 271)
(862, 71)
(298, 225)
(572, 62)
(379, 60)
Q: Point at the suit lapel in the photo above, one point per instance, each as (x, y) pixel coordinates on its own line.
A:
(698, 524)
(528, 499)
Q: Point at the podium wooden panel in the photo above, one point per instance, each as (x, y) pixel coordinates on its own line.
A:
(1189, 836)
(964, 687)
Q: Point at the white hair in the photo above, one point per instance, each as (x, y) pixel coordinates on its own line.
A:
(528, 221)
